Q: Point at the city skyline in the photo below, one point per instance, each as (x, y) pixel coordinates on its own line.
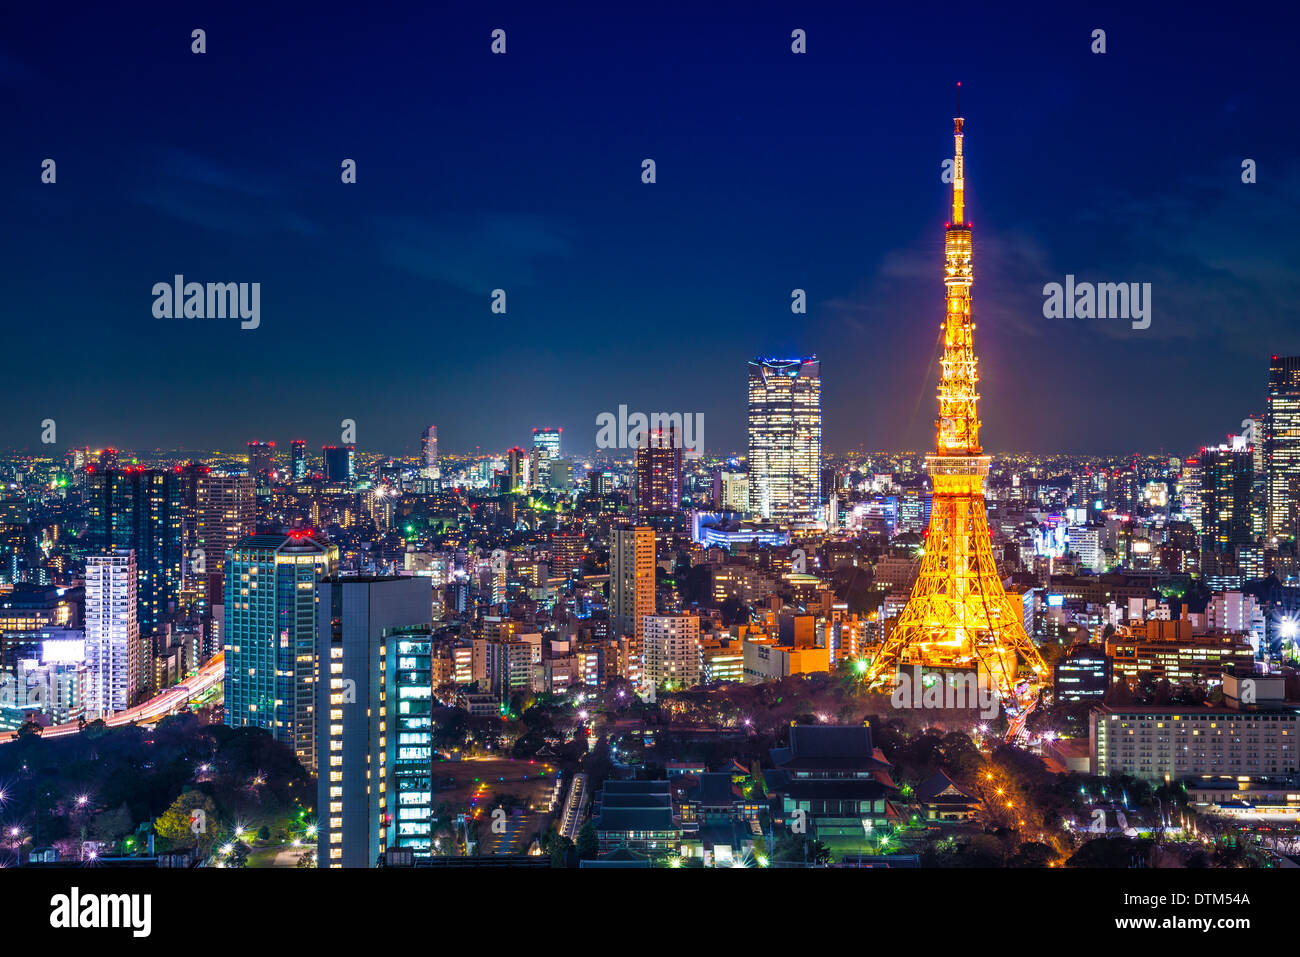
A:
(905, 595)
(811, 183)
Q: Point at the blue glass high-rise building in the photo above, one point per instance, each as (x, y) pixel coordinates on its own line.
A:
(270, 636)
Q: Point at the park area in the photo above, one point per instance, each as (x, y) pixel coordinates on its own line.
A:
(521, 788)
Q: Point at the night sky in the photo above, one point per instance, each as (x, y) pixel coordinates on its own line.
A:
(523, 171)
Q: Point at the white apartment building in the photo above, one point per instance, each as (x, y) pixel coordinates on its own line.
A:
(672, 651)
(112, 633)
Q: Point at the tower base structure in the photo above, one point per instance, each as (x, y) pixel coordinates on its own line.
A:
(959, 616)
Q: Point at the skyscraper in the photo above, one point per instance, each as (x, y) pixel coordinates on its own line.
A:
(1282, 446)
(516, 477)
(270, 638)
(958, 616)
(408, 690)
(298, 459)
(338, 463)
(785, 437)
(548, 438)
(146, 511)
(112, 633)
(429, 451)
(261, 460)
(659, 473)
(225, 511)
(1227, 479)
(546, 448)
(360, 805)
(631, 589)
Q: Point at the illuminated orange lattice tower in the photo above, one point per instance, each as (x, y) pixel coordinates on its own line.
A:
(958, 615)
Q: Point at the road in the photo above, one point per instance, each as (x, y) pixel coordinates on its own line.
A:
(168, 702)
(574, 807)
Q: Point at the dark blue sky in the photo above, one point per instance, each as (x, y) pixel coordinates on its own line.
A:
(522, 171)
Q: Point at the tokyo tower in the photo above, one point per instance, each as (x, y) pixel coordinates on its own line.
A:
(958, 616)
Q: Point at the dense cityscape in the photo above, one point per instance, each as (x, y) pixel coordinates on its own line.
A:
(343, 533)
(556, 657)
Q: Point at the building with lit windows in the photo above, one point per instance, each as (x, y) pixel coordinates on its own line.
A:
(1242, 739)
(658, 464)
(637, 816)
(225, 512)
(516, 474)
(409, 682)
(361, 625)
(1082, 674)
(834, 782)
(765, 660)
(1227, 489)
(1169, 650)
(672, 652)
(1282, 447)
(546, 449)
(269, 633)
(733, 492)
(113, 648)
(429, 451)
(261, 460)
(145, 511)
(298, 459)
(631, 580)
(785, 437)
(721, 660)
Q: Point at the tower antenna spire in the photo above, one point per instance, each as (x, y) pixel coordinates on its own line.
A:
(959, 616)
(958, 167)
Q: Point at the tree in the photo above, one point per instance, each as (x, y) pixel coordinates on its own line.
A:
(180, 824)
(112, 825)
(1110, 852)
(564, 852)
(1031, 854)
(588, 844)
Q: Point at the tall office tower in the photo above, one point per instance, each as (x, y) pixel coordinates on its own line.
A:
(145, 510)
(261, 460)
(785, 437)
(672, 652)
(548, 440)
(1282, 447)
(225, 507)
(408, 686)
(270, 638)
(112, 633)
(108, 458)
(429, 451)
(516, 470)
(958, 616)
(298, 459)
(1189, 492)
(546, 449)
(339, 462)
(1227, 478)
(1252, 434)
(631, 589)
(659, 473)
(359, 621)
(15, 540)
